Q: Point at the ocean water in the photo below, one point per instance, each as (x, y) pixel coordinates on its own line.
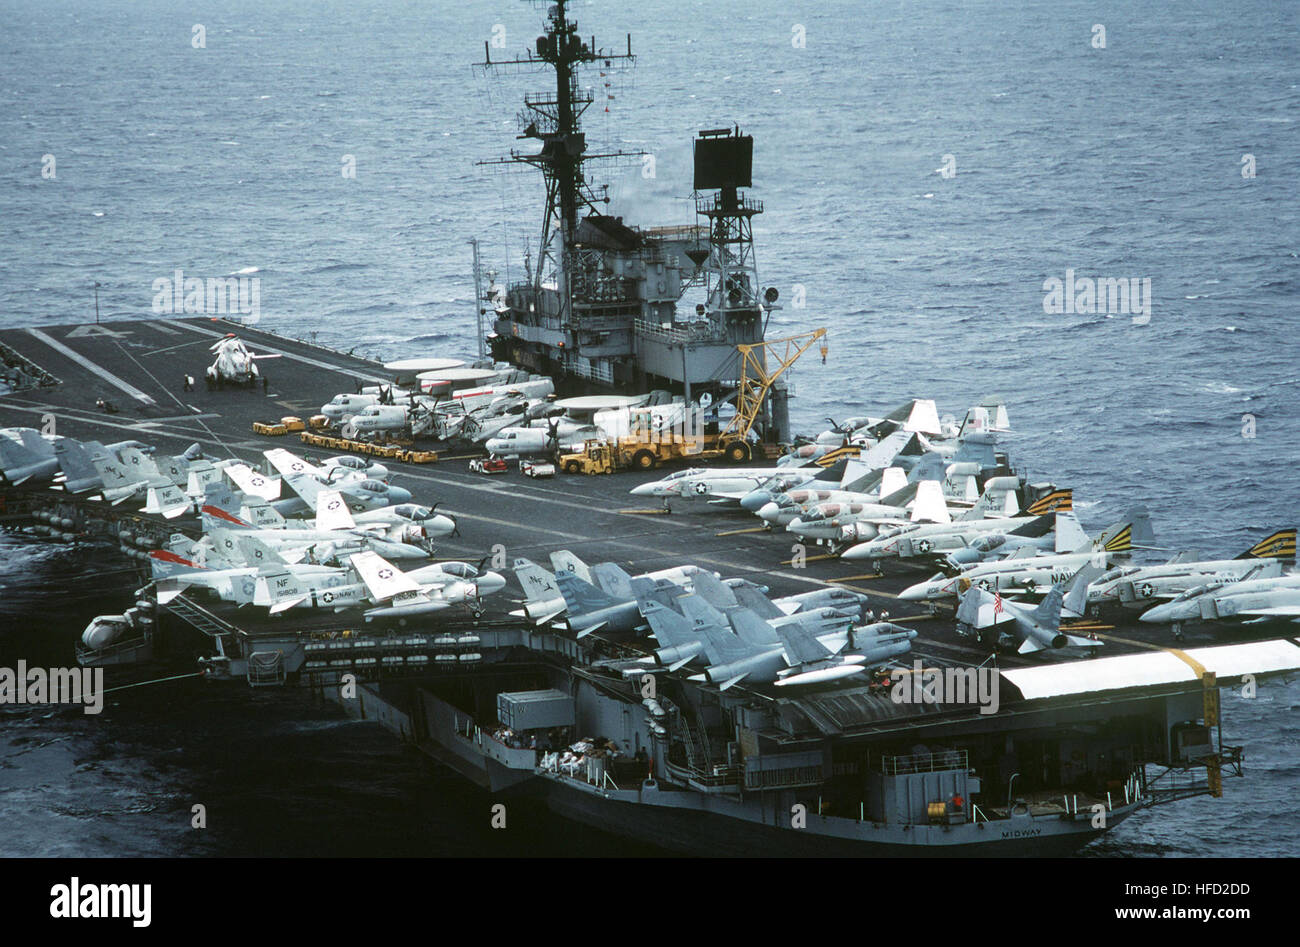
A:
(1117, 162)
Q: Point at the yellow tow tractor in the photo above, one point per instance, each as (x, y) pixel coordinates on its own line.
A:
(647, 448)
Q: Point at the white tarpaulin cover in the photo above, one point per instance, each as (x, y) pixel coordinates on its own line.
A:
(1155, 668)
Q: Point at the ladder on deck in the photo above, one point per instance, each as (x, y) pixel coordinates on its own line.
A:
(202, 620)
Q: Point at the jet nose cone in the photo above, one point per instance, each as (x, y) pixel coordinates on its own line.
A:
(768, 512)
(756, 501)
(1161, 613)
(914, 593)
(439, 525)
(495, 445)
(490, 582)
(794, 525)
(398, 495)
(644, 490)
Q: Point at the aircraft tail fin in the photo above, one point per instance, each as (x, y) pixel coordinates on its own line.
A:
(611, 578)
(670, 628)
(220, 508)
(1048, 612)
(1075, 602)
(582, 597)
(168, 499)
(751, 629)
(564, 561)
(1052, 501)
(749, 597)
(13, 454)
(1280, 545)
(74, 459)
(801, 646)
(929, 505)
(710, 589)
(538, 584)
(1135, 529)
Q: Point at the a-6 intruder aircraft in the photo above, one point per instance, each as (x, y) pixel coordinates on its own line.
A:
(307, 481)
(1139, 586)
(432, 588)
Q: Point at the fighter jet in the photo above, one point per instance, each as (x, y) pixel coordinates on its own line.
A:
(1034, 628)
(1246, 600)
(1138, 586)
(785, 653)
(913, 541)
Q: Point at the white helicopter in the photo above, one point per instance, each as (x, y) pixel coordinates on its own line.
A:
(234, 364)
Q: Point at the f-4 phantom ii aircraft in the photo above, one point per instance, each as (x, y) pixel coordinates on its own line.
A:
(1246, 600)
(1138, 586)
(906, 542)
(1024, 573)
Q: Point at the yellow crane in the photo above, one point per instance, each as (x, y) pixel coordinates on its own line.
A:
(756, 381)
(647, 448)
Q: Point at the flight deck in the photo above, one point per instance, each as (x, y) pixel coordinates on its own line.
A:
(128, 380)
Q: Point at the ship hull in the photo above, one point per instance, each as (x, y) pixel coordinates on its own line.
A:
(710, 832)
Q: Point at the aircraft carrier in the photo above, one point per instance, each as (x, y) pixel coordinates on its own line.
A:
(1073, 748)
(693, 767)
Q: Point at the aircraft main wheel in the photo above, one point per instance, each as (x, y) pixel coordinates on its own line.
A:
(738, 452)
(644, 459)
(571, 466)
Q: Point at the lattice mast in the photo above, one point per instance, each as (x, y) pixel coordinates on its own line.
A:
(555, 120)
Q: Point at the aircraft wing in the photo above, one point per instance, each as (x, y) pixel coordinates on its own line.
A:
(252, 482)
(332, 512)
(289, 464)
(801, 647)
(1274, 611)
(383, 579)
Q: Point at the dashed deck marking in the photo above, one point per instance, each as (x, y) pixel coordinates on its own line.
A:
(90, 366)
(261, 346)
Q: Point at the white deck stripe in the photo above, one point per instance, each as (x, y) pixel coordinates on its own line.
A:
(86, 363)
(262, 346)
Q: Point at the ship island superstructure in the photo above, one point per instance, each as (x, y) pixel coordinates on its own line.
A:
(598, 308)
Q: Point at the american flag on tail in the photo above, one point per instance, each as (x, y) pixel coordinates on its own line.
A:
(997, 603)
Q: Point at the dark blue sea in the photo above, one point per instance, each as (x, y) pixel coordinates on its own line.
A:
(1122, 161)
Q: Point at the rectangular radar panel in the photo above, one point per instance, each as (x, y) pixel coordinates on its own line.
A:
(722, 162)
